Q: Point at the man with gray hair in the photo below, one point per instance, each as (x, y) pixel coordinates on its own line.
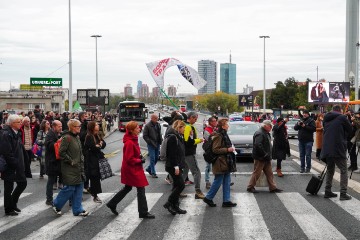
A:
(262, 158)
(336, 130)
(17, 170)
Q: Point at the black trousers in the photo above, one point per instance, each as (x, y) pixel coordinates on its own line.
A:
(95, 186)
(142, 203)
(352, 153)
(11, 195)
(178, 186)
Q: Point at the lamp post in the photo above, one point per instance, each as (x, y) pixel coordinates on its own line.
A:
(96, 37)
(70, 63)
(264, 97)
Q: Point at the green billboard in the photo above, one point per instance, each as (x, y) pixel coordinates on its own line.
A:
(52, 82)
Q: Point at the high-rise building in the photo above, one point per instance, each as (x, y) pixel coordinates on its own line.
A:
(207, 70)
(228, 77)
(138, 88)
(171, 91)
(128, 90)
(156, 92)
(144, 91)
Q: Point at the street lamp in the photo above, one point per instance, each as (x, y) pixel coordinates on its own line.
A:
(70, 62)
(264, 100)
(96, 37)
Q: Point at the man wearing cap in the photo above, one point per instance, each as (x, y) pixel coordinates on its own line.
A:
(306, 128)
(262, 158)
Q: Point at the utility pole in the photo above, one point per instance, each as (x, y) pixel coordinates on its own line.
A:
(264, 97)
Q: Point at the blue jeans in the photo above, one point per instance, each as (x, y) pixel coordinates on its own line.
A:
(219, 179)
(73, 193)
(305, 149)
(207, 172)
(154, 155)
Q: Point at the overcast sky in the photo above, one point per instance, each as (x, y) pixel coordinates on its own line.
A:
(303, 34)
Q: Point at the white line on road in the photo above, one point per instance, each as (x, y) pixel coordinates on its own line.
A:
(248, 218)
(61, 224)
(314, 225)
(352, 206)
(127, 221)
(187, 226)
(21, 196)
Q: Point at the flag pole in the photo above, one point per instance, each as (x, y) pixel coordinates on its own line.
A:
(163, 92)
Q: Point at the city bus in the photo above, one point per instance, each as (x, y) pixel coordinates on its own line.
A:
(131, 111)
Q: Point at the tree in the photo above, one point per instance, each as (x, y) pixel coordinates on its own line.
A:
(212, 102)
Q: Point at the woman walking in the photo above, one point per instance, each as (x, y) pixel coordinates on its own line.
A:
(175, 163)
(132, 172)
(281, 146)
(92, 146)
(40, 139)
(319, 134)
(223, 166)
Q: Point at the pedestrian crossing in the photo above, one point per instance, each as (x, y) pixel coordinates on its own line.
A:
(249, 217)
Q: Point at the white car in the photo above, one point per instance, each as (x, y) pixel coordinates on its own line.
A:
(143, 144)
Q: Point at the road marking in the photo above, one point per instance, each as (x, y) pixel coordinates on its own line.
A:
(21, 196)
(187, 226)
(127, 221)
(352, 206)
(313, 224)
(62, 224)
(235, 173)
(26, 213)
(248, 218)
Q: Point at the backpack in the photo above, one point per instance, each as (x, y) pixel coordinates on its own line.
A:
(209, 155)
(163, 147)
(57, 148)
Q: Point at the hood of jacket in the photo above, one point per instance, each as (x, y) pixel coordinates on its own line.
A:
(331, 116)
(129, 137)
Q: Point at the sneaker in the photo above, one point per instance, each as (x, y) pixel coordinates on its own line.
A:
(49, 203)
(344, 196)
(279, 173)
(83, 214)
(302, 170)
(199, 195)
(208, 185)
(168, 181)
(57, 211)
(187, 183)
(276, 190)
(209, 202)
(229, 204)
(330, 195)
(252, 190)
(97, 200)
(307, 170)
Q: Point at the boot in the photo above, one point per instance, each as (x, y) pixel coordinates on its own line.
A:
(199, 194)
(170, 207)
(279, 173)
(179, 210)
(344, 196)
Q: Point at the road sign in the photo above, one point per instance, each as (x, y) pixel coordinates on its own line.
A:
(53, 82)
(245, 100)
(83, 95)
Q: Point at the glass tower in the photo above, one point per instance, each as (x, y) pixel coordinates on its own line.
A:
(228, 78)
(207, 70)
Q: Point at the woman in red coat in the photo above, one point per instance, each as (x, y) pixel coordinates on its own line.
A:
(132, 172)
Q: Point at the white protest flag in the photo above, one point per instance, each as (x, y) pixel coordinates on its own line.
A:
(157, 70)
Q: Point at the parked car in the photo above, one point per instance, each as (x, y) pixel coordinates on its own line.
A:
(290, 128)
(236, 118)
(241, 135)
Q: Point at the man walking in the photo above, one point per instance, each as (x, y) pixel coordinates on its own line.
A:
(262, 158)
(306, 128)
(212, 123)
(336, 129)
(17, 171)
(152, 136)
(191, 141)
(53, 166)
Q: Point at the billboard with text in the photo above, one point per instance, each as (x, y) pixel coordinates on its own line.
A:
(328, 92)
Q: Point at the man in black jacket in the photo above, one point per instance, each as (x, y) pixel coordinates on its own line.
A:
(17, 171)
(53, 166)
(306, 128)
(262, 158)
(336, 129)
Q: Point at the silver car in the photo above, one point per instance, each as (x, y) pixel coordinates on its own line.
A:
(143, 144)
(290, 128)
(241, 135)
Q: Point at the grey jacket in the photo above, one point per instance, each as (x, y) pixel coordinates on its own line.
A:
(152, 134)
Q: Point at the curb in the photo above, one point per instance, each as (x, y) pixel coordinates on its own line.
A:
(354, 185)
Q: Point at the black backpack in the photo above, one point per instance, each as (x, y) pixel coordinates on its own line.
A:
(209, 155)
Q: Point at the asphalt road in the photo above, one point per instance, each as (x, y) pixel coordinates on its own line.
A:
(292, 214)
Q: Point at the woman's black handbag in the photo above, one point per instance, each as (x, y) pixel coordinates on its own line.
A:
(105, 169)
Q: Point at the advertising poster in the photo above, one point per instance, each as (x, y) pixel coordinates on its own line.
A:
(328, 92)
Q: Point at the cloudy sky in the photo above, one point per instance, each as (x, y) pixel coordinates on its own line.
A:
(303, 34)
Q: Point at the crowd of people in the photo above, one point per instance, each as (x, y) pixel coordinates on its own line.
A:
(82, 140)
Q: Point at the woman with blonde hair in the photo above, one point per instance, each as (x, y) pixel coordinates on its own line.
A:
(132, 172)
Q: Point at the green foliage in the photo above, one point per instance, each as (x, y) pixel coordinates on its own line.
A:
(228, 103)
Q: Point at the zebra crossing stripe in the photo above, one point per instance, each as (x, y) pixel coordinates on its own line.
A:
(248, 218)
(313, 224)
(26, 213)
(352, 206)
(187, 226)
(127, 221)
(21, 196)
(61, 224)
